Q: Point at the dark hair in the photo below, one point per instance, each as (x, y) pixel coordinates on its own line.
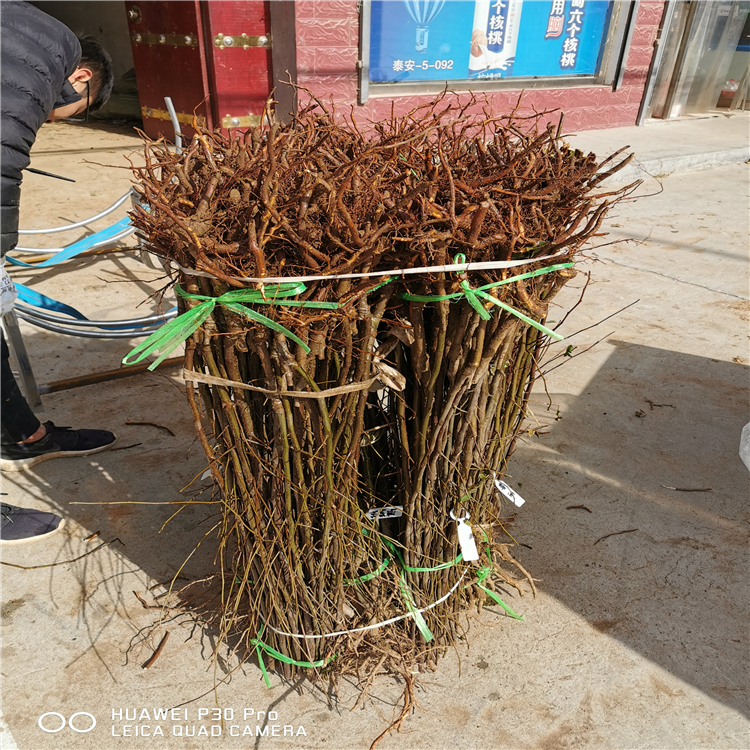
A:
(95, 57)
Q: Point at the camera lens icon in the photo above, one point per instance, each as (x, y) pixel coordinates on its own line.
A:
(48, 725)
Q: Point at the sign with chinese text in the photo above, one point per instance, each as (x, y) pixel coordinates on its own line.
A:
(446, 40)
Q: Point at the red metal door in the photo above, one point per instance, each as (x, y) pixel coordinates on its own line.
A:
(239, 37)
(212, 58)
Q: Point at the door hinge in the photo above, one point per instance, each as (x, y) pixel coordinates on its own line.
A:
(227, 41)
(166, 40)
(245, 121)
(162, 114)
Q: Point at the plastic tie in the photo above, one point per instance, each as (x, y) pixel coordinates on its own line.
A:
(77, 247)
(474, 295)
(260, 646)
(172, 334)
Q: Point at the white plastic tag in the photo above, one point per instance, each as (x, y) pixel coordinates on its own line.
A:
(466, 541)
(8, 291)
(392, 511)
(509, 494)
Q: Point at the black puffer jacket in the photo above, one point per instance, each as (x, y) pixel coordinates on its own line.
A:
(38, 55)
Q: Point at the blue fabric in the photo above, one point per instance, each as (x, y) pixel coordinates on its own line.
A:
(30, 297)
(77, 247)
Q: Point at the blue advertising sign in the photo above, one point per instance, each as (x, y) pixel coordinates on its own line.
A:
(445, 40)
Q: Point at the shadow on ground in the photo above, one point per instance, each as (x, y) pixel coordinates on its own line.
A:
(136, 496)
(671, 588)
(649, 540)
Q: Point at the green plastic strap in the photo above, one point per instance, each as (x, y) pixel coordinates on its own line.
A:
(368, 576)
(406, 592)
(260, 646)
(375, 573)
(442, 566)
(404, 566)
(482, 575)
(413, 611)
(172, 334)
(404, 586)
(474, 296)
(382, 283)
(261, 663)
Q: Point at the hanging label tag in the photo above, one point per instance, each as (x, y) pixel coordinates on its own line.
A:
(466, 541)
(8, 291)
(509, 494)
(392, 511)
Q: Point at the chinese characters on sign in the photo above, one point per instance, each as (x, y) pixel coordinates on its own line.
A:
(570, 44)
(497, 24)
(556, 19)
(493, 38)
(409, 65)
(448, 40)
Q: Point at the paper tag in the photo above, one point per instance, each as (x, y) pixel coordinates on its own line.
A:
(392, 511)
(509, 494)
(8, 291)
(466, 541)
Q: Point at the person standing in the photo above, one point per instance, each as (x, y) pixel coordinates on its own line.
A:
(47, 74)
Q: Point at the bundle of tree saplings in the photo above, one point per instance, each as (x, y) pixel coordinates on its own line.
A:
(363, 312)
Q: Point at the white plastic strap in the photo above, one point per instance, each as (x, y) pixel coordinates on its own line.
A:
(454, 267)
(370, 627)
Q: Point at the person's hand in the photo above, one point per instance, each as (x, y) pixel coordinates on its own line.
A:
(477, 37)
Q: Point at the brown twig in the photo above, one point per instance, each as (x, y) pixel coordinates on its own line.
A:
(303, 438)
(156, 653)
(125, 447)
(615, 533)
(151, 424)
(62, 562)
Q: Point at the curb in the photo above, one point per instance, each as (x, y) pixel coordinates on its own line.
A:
(676, 164)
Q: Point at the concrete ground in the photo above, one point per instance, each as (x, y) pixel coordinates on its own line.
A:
(635, 522)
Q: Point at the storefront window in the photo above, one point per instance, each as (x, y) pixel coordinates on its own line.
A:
(706, 59)
(486, 40)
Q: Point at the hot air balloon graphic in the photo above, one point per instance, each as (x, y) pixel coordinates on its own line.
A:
(423, 11)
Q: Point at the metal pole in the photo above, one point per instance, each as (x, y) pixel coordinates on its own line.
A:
(100, 215)
(675, 84)
(101, 377)
(365, 14)
(632, 15)
(28, 382)
(653, 73)
(175, 122)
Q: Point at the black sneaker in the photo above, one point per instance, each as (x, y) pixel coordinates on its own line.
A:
(23, 525)
(59, 442)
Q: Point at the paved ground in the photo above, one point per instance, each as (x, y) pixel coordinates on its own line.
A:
(637, 640)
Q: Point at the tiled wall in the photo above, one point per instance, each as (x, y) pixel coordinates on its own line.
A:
(327, 53)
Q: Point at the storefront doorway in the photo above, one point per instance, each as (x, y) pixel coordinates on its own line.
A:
(704, 61)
